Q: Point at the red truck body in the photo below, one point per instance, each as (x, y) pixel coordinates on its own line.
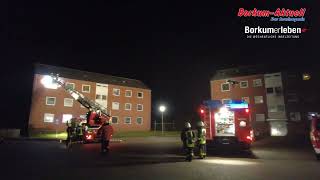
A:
(227, 124)
(315, 135)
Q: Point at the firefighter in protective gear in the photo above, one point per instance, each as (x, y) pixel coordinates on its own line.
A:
(188, 139)
(106, 135)
(201, 140)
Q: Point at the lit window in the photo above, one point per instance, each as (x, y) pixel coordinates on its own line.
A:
(226, 101)
(306, 76)
(127, 120)
(243, 84)
(48, 118)
(272, 108)
(225, 87)
(258, 99)
(139, 120)
(246, 99)
(257, 82)
(70, 85)
(51, 101)
(66, 118)
(68, 102)
(86, 88)
(128, 93)
(115, 105)
(114, 119)
(140, 94)
(116, 92)
(139, 107)
(127, 106)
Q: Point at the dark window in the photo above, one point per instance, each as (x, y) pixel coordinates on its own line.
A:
(269, 90)
(114, 120)
(225, 87)
(278, 90)
(98, 96)
(104, 97)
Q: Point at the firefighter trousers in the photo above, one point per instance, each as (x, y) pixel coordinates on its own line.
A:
(105, 146)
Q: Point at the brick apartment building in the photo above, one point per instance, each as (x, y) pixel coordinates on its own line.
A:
(280, 99)
(127, 100)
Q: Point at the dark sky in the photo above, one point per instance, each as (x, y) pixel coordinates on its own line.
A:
(173, 47)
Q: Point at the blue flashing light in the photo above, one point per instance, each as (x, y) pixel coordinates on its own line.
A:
(237, 106)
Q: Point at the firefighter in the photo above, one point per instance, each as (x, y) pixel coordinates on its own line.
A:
(69, 134)
(188, 139)
(201, 137)
(106, 134)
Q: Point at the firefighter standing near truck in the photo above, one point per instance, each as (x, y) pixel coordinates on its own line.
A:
(188, 139)
(106, 134)
(201, 140)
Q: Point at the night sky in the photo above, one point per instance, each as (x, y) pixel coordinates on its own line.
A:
(172, 47)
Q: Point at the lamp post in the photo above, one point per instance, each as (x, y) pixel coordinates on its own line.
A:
(162, 109)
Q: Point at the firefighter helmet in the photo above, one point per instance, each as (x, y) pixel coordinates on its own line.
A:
(200, 124)
(187, 125)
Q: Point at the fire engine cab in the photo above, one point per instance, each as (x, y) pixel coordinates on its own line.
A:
(228, 124)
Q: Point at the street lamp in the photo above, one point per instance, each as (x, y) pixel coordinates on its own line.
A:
(162, 109)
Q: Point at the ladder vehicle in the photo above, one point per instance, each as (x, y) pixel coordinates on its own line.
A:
(96, 116)
(228, 124)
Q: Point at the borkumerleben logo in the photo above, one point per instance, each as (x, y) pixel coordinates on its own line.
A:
(268, 30)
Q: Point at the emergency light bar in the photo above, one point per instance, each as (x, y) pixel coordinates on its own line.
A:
(237, 106)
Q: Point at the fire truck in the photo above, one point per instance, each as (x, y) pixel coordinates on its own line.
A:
(315, 135)
(96, 116)
(229, 125)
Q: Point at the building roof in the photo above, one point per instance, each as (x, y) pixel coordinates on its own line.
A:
(44, 69)
(245, 71)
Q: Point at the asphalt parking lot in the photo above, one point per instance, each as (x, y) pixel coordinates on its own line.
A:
(154, 158)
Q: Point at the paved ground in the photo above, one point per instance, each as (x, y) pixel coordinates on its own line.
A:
(155, 158)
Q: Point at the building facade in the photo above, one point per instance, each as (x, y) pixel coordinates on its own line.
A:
(128, 101)
(281, 100)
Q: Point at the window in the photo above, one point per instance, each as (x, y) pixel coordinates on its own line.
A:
(272, 108)
(68, 102)
(48, 118)
(257, 82)
(280, 108)
(70, 85)
(139, 120)
(81, 106)
(295, 116)
(278, 90)
(225, 87)
(114, 120)
(140, 94)
(115, 105)
(225, 101)
(127, 120)
(246, 99)
(127, 106)
(104, 97)
(51, 101)
(306, 76)
(83, 117)
(128, 93)
(260, 117)
(116, 92)
(66, 118)
(258, 99)
(269, 90)
(139, 107)
(98, 96)
(86, 88)
(243, 84)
